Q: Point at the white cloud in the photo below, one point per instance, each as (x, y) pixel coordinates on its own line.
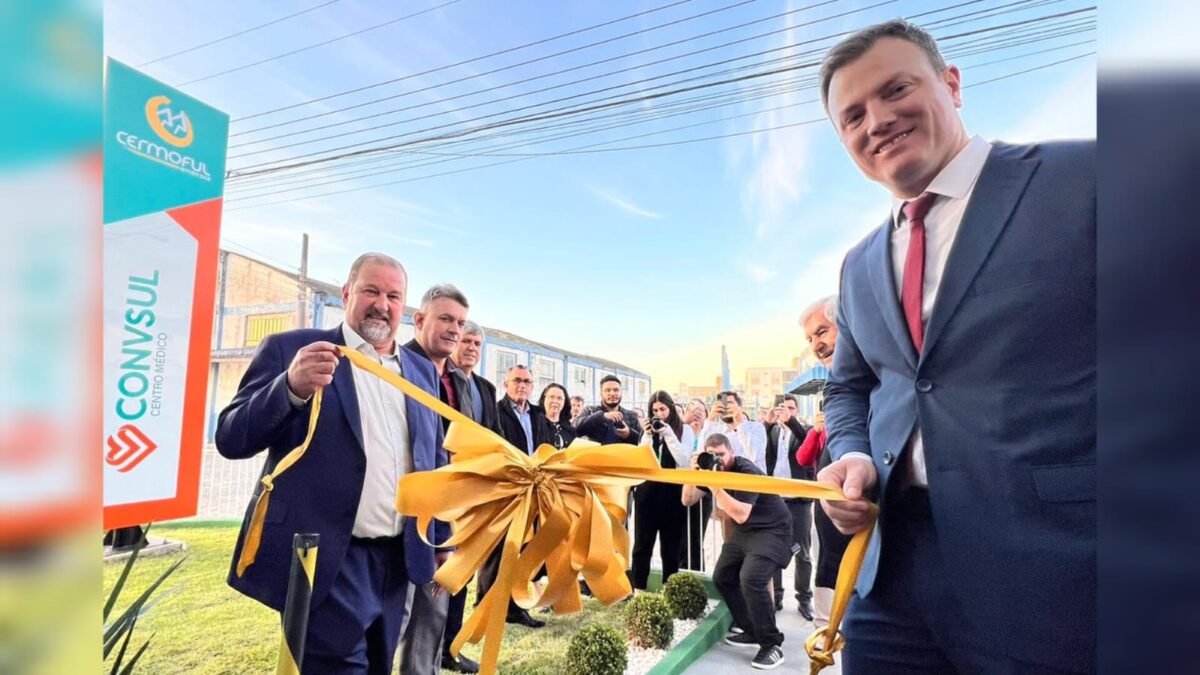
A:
(625, 204)
(760, 273)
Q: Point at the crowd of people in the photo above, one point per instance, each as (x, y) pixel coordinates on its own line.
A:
(961, 399)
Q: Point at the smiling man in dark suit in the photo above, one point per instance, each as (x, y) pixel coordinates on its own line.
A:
(963, 388)
(344, 488)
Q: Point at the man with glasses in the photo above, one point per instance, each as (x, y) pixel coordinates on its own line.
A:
(523, 425)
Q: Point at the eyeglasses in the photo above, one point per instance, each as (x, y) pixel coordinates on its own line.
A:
(521, 380)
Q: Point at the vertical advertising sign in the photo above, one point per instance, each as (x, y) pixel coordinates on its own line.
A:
(164, 166)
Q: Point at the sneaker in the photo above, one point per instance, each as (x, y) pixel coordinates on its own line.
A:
(740, 640)
(768, 658)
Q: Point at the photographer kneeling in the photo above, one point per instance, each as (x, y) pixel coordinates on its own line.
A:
(759, 546)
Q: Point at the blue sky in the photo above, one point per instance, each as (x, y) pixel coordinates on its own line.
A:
(653, 257)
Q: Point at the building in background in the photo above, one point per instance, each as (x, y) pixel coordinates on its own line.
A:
(808, 385)
(763, 383)
(256, 299)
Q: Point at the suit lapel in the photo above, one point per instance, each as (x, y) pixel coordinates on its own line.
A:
(343, 383)
(883, 283)
(415, 411)
(1000, 186)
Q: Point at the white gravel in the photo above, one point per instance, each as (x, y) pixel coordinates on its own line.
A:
(642, 660)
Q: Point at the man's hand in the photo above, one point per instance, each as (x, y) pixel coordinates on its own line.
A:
(312, 368)
(716, 411)
(623, 432)
(819, 421)
(614, 416)
(855, 476)
(774, 414)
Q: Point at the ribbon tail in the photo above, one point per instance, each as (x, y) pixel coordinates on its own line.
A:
(823, 643)
(254, 533)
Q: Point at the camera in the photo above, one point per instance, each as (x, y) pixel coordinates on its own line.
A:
(657, 424)
(707, 461)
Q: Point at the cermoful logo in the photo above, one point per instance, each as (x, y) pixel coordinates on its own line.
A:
(173, 127)
(127, 448)
(143, 369)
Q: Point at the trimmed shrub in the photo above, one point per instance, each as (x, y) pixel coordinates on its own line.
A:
(686, 595)
(597, 649)
(649, 621)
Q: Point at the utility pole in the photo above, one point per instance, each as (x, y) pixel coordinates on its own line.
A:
(302, 286)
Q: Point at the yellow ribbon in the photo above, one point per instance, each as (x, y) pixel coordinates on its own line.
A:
(492, 493)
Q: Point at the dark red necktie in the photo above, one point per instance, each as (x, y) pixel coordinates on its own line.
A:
(914, 267)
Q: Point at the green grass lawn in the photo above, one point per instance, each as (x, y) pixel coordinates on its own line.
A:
(203, 626)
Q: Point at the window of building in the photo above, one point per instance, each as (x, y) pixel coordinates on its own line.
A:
(260, 326)
(505, 359)
(543, 375)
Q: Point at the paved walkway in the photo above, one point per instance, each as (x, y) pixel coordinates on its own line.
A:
(725, 660)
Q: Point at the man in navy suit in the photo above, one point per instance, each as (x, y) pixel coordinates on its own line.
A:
(344, 488)
(963, 388)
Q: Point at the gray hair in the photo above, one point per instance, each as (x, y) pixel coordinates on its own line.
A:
(443, 291)
(828, 304)
(378, 258)
(852, 48)
(472, 328)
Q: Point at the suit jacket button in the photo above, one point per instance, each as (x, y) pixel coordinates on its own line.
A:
(924, 386)
(888, 458)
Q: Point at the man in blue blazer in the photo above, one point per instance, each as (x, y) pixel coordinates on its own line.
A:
(344, 487)
(963, 390)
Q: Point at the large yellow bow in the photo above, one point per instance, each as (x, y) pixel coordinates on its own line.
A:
(563, 509)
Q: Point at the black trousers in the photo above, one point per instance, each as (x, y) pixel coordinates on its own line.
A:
(487, 576)
(691, 552)
(748, 561)
(658, 514)
(802, 513)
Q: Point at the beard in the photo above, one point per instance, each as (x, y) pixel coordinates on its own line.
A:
(375, 331)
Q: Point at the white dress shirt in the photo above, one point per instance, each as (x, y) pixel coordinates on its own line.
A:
(954, 186)
(385, 441)
(749, 440)
(782, 468)
(680, 448)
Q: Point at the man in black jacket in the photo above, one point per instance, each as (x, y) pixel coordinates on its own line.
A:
(784, 435)
(523, 425)
(434, 619)
(609, 422)
(482, 392)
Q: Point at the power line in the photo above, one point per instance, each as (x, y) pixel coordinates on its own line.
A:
(460, 63)
(482, 117)
(318, 44)
(537, 77)
(237, 34)
(586, 150)
(992, 44)
(967, 48)
(551, 114)
(525, 63)
(810, 83)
